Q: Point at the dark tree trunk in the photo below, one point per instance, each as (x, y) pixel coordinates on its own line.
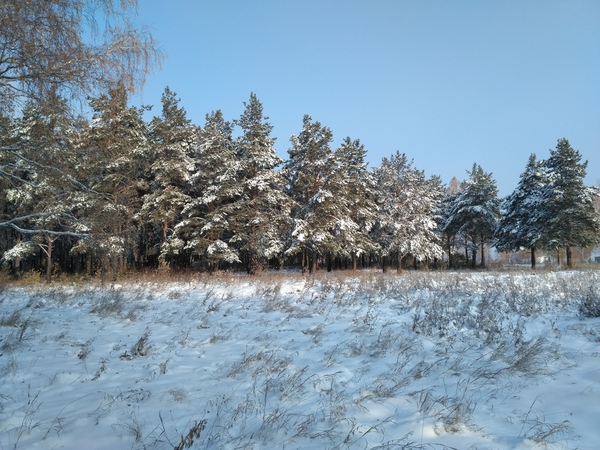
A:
(533, 257)
(303, 262)
(569, 258)
(312, 261)
(482, 253)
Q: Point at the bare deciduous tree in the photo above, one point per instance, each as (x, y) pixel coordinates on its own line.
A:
(60, 45)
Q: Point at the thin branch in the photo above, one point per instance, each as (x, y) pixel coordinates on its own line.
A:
(12, 223)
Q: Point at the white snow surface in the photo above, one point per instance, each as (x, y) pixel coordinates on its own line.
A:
(488, 360)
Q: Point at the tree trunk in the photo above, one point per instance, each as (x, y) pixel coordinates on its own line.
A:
(474, 258)
(17, 260)
(165, 227)
(354, 262)
(533, 257)
(49, 241)
(482, 253)
(303, 263)
(399, 269)
(569, 258)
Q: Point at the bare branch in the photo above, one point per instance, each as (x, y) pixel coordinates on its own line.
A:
(59, 45)
(12, 223)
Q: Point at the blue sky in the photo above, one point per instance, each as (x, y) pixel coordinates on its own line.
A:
(449, 83)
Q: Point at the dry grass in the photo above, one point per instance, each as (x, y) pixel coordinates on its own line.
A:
(422, 353)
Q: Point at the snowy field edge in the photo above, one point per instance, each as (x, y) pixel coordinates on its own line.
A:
(465, 360)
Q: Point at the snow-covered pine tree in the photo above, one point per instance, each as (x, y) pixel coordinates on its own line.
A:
(355, 193)
(524, 213)
(310, 168)
(572, 218)
(173, 138)
(449, 229)
(475, 211)
(205, 228)
(114, 157)
(42, 192)
(261, 211)
(407, 211)
(8, 237)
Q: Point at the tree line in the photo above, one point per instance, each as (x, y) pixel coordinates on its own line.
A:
(110, 192)
(117, 193)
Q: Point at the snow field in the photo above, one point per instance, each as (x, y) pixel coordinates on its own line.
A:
(422, 360)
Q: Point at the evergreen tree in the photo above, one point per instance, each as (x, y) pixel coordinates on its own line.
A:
(173, 138)
(525, 213)
(205, 229)
(42, 191)
(310, 169)
(355, 196)
(115, 155)
(475, 211)
(261, 210)
(407, 210)
(8, 236)
(572, 219)
(448, 229)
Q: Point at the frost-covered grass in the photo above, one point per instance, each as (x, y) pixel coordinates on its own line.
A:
(370, 361)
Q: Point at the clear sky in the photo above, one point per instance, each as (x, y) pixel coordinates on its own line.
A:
(449, 83)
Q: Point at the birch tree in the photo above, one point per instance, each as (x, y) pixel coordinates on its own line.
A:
(78, 48)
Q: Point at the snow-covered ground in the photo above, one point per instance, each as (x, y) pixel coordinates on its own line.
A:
(369, 361)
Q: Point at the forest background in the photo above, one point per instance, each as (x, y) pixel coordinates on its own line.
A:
(112, 191)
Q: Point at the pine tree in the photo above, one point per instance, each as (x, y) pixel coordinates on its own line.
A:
(261, 210)
(572, 219)
(173, 138)
(42, 192)
(205, 229)
(407, 211)
(475, 211)
(310, 169)
(115, 155)
(525, 213)
(355, 196)
(448, 228)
